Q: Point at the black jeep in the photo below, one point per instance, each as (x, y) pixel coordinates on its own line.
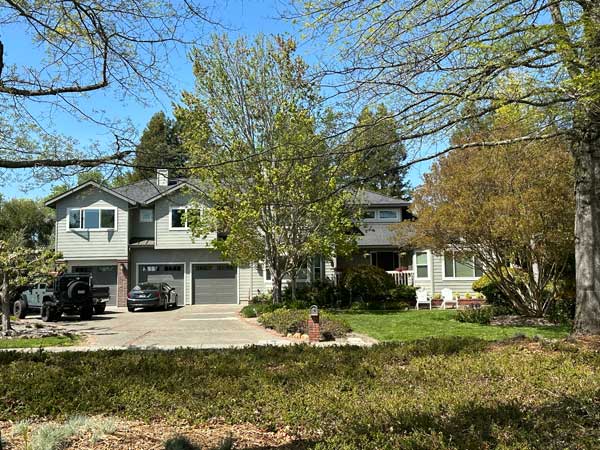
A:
(68, 293)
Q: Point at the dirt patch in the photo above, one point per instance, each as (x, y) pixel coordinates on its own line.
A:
(520, 321)
(135, 435)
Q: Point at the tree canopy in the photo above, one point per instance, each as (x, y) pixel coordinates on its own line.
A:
(254, 125)
(77, 48)
(379, 152)
(438, 64)
(507, 206)
(29, 218)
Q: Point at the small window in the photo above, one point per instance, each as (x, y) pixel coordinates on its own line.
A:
(369, 214)
(177, 218)
(146, 215)
(173, 269)
(422, 264)
(150, 268)
(388, 214)
(75, 218)
(107, 218)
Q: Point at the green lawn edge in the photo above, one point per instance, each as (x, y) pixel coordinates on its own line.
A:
(43, 342)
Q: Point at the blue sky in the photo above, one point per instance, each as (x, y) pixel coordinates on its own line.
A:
(238, 17)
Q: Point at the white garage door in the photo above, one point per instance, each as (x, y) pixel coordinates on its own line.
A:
(168, 273)
(214, 283)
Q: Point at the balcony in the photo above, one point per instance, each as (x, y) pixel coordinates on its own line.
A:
(403, 278)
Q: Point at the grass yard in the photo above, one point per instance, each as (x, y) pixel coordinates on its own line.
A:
(52, 341)
(411, 325)
(442, 393)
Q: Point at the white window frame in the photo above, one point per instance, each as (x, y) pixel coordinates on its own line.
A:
(429, 265)
(370, 219)
(82, 219)
(455, 278)
(141, 217)
(178, 208)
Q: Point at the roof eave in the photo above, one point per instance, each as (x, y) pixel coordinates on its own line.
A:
(51, 202)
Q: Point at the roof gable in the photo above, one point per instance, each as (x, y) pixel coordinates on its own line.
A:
(51, 202)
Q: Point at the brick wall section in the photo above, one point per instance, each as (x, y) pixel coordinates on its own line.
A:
(314, 329)
(122, 283)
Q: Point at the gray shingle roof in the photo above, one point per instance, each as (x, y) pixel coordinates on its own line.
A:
(371, 198)
(376, 235)
(141, 190)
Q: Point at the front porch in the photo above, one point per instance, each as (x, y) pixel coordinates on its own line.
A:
(399, 264)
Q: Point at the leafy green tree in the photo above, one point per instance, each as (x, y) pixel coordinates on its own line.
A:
(380, 152)
(28, 217)
(19, 267)
(252, 125)
(507, 206)
(159, 147)
(82, 177)
(429, 59)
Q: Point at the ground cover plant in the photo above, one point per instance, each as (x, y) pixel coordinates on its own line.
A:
(286, 321)
(411, 325)
(436, 393)
(50, 341)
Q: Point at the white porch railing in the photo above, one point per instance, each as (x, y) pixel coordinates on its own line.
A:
(406, 277)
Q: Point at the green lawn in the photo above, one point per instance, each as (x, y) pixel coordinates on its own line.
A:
(53, 341)
(411, 325)
(452, 393)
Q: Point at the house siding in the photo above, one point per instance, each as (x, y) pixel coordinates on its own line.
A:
(251, 281)
(140, 229)
(166, 238)
(437, 282)
(92, 244)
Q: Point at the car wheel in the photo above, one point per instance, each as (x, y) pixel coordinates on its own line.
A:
(56, 315)
(130, 309)
(86, 312)
(99, 309)
(20, 309)
(47, 313)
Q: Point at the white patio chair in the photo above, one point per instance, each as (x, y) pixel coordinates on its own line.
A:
(423, 298)
(448, 298)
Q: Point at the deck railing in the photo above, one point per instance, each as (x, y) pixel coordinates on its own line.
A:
(405, 277)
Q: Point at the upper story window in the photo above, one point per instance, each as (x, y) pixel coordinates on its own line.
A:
(368, 214)
(461, 268)
(380, 214)
(146, 215)
(100, 219)
(388, 214)
(178, 221)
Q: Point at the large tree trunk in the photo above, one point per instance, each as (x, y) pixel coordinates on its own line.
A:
(587, 234)
(5, 306)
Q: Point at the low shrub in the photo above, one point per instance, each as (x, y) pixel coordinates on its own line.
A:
(324, 294)
(404, 294)
(562, 311)
(481, 316)
(368, 283)
(262, 298)
(286, 321)
(180, 443)
(258, 309)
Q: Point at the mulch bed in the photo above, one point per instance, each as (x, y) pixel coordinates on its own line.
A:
(136, 435)
(33, 330)
(520, 321)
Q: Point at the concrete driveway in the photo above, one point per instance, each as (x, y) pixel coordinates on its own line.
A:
(198, 326)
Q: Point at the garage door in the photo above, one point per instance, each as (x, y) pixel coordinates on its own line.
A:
(214, 283)
(169, 273)
(103, 276)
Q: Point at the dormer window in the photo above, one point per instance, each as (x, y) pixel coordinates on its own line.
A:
(100, 219)
(369, 214)
(388, 214)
